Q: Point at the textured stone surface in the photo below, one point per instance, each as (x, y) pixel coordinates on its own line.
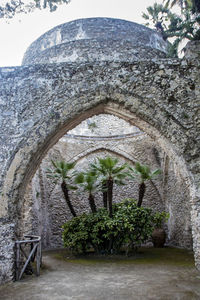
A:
(6, 251)
(104, 126)
(94, 50)
(96, 39)
(192, 51)
(39, 103)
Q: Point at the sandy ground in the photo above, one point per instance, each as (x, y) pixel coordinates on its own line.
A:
(165, 274)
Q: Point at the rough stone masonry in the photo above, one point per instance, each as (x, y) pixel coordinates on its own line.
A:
(45, 97)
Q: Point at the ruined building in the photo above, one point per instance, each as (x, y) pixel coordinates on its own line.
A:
(116, 74)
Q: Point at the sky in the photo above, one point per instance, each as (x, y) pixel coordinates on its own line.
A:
(16, 36)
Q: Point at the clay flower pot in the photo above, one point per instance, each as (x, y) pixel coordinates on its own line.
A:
(158, 237)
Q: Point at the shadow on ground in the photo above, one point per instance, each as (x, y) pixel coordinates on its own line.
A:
(166, 274)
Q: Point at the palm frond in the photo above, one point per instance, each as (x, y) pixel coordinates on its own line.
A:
(143, 172)
(119, 169)
(72, 187)
(79, 178)
(61, 169)
(156, 172)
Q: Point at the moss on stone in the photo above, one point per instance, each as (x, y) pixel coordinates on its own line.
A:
(158, 256)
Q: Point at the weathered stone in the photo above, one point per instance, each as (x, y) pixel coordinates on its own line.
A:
(39, 103)
(192, 51)
(96, 39)
(7, 239)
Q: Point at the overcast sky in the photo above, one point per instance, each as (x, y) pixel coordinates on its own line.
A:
(22, 31)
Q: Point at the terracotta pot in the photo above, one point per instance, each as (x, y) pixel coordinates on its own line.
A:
(158, 237)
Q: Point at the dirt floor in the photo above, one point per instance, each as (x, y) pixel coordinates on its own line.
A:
(165, 274)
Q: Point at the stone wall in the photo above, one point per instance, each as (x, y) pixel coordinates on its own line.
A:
(7, 253)
(39, 103)
(96, 39)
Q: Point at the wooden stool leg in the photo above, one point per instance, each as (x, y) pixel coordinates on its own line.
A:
(18, 261)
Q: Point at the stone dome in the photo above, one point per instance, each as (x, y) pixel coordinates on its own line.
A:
(96, 39)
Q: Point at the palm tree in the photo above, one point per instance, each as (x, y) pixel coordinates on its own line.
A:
(157, 15)
(109, 173)
(193, 5)
(88, 181)
(179, 26)
(105, 196)
(61, 172)
(142, 173)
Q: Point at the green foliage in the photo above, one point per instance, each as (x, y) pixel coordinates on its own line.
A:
(125, 224)
(142, 172)
(109, 172)
(133, 224)
(129, 227)
(61, 171)
(185, 25)
(12, 7)
(193, 5)
(50, 4)
(158, 15)
(75, 234)
(159, 218)
(88, 181)
(86, 231)
(109, 168)
(92, 125)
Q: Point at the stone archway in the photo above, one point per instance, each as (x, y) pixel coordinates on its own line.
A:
(44, 200)
(109, 150)
(46, 101)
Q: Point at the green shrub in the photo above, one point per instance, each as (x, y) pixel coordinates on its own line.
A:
(133, 223)
(159, 218)
(129, 226)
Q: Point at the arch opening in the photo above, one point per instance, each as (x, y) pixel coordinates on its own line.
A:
(18, 185)
(39, 103)
(143, 148)
(15, 182)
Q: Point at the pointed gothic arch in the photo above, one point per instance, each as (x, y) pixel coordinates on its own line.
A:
(50, 100)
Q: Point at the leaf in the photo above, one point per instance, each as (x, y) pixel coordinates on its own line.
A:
(72, 187)
(156, 172)
(54, 164)
(79, 178)
(145, 16)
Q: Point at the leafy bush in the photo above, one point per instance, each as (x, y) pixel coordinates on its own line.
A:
(129, 226)
(133, 223)
(159, 218)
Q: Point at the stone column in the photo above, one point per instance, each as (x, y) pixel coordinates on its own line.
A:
(192, 54)
(195, 218)
(7, 257)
